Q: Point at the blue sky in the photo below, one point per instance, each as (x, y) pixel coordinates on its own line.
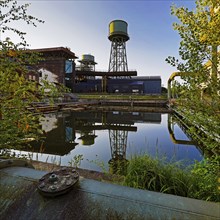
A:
(83, 27)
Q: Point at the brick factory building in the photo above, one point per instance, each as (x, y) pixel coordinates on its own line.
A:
(58, 66)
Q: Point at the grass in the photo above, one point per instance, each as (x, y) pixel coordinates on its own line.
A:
(199, 181)
(121, 96)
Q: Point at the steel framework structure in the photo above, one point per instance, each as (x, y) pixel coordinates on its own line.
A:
(118, 143)
(118, 58)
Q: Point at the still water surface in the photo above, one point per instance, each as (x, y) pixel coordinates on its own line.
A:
(105, 136)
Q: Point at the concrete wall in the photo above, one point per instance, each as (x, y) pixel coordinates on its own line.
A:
(90, 199)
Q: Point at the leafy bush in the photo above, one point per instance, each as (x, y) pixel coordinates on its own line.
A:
(207, 179)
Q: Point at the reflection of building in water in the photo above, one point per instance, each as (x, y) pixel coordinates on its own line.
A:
(48, 122)
(69, 131)
(61, 129)
(113, 118)
(60, 135)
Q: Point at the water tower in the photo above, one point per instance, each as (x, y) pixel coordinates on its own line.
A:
(118, 36)
(87, 63)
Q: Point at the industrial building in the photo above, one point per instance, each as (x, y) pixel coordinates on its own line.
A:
(138, 85)
(118, 78)
(59, 67)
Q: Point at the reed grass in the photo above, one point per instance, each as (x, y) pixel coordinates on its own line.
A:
(199, 181)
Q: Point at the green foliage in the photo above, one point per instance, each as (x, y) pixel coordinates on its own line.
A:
(10, 12)
(199, 182)
(100, 164)
(76, 161)
(118, 166)
(199, 31)
(199, 101)
(16, 94)
(17, 124)
(207, 175)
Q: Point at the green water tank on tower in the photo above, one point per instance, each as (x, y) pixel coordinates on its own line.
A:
(118, 28)
(88, 57)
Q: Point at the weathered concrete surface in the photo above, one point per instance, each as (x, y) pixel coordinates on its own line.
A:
(90, 199)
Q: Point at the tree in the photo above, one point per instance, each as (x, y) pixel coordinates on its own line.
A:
(199, 50)
(18, 124)
(10, 12)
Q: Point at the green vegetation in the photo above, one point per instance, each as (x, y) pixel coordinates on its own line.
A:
(200, 33)
(199, 181)
(198, 98)
(76, 161)
(17, 124)
(199, 102)
(121, 96)
(199, 95)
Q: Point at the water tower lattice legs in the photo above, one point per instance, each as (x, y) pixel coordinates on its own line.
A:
(118, 143)
(118, 58)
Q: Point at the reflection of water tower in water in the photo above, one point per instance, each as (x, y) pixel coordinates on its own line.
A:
(88, 138)
(118, 36)
(118, 143)
(118, 136)
(87, 134)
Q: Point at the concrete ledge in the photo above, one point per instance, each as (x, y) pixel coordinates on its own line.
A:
(93, 200)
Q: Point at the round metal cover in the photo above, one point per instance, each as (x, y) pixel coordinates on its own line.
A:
(58, 182)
